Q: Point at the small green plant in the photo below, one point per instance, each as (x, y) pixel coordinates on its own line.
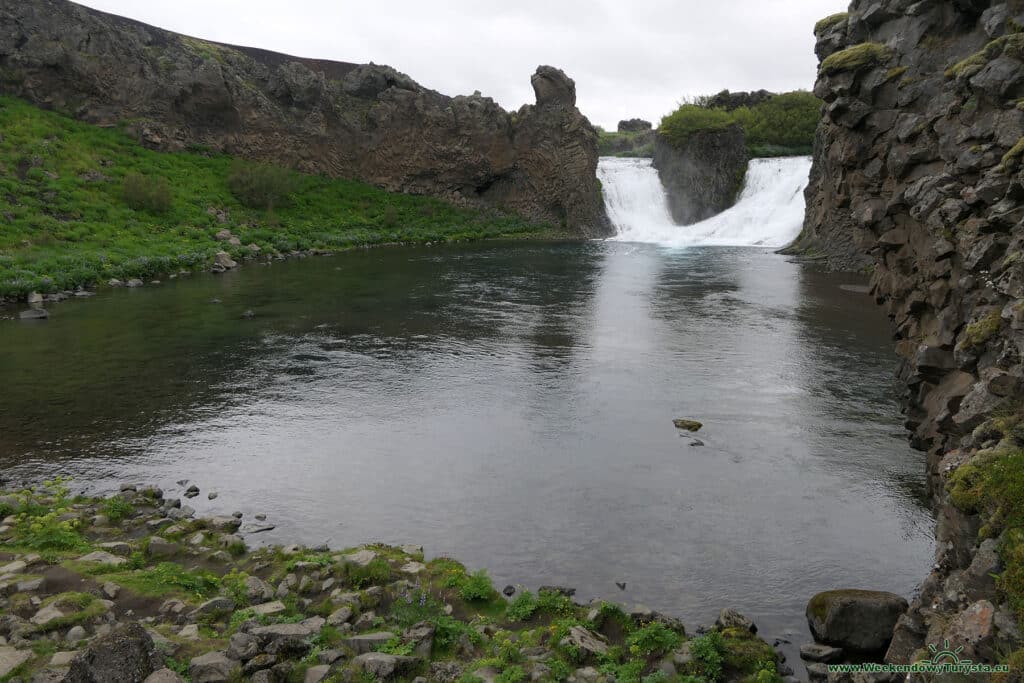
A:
(522, 607)
(708, 653)
(512, 674)
(117, 509)
(261, 186)
(653, 639)
(830, 22)
(145, 193)
(378, 571)
(395, 646)
(476, 586)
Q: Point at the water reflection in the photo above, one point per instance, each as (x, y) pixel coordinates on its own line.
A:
(510, 405)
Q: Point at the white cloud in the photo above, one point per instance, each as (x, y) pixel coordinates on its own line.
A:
(629, 58)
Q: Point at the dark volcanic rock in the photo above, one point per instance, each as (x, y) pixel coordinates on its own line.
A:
(704, 176)
(634, 126)
(366, 121)
(125, 655)
(855, 619)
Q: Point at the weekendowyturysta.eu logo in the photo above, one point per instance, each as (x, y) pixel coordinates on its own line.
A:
(945, 659)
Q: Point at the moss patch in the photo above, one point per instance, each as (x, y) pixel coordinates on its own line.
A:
(980, 331)
(855, 57)
(1011, 45)
(1012, 158)
(830, 22)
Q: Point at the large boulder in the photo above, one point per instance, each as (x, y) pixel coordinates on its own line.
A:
(553, 87)
(856, 620)
(125, 655)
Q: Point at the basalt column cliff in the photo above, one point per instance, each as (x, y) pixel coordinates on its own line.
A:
(917, 176)
(364, 121)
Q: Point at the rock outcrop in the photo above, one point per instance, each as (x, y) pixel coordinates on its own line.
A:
(362, 121)
(703, 176)
(918, 167)
(634, 126)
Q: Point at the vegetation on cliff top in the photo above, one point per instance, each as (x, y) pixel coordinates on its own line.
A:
(782, 125)
(638, 143)
(337, 604)
(830, 22)
(81, 204)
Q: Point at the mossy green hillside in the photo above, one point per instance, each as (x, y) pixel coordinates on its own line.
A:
(67, 192)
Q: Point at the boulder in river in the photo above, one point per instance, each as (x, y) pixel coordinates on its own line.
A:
(857, 620)
(34, 314)
(688, 425)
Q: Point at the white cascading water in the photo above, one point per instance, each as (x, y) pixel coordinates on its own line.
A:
(768, 213)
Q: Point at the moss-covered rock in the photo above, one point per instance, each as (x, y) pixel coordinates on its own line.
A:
(855, 58)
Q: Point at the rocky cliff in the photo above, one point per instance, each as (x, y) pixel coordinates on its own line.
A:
(918, 167)
(364, 121)
(702, 176)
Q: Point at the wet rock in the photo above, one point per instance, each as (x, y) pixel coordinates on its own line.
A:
(564, 591)
(134, 282)
(730, 618)
(816, 652)
(34, 314)
(687, 425)
(857, 620)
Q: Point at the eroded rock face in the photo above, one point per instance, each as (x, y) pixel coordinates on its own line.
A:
(703, 177)
(917, 173)
(362, 121)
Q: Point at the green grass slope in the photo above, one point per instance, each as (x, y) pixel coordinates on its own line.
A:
(67, 191)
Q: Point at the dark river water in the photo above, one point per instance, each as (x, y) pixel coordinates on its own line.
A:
(510, 405)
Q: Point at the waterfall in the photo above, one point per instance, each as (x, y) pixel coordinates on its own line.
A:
(768, 213)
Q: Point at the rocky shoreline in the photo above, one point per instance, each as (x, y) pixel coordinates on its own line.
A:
(137, 587)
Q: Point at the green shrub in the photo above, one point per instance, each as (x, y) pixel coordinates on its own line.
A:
(378, 571)
(783, 125)
(522, 607)
(116, 508)
(261, 186)
(476, 586)
(708, 652)
(145, 193)
(653, 639)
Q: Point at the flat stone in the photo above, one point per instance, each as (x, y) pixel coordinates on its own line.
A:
(340, 616)
(16, 567)
(213, 667)
(302, 629)
(117, 548)
(361, 557)
(223, 524)
(164, 676)
(189, 632)
(587, 642)
(382, 666)
(162, 548)
(46, 615)
(413, 567)
(29, 586)
(368, 642)
(62, 659)
(11, 659)
(211, 607)
(816, 652)
(269, 608)
(315, 674)
(687, 425)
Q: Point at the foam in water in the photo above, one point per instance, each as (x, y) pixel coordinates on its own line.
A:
(768, 213)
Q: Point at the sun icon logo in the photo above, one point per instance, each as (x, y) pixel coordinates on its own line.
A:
(946, 655)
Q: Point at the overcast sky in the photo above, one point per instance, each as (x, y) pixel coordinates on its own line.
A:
(628, 57)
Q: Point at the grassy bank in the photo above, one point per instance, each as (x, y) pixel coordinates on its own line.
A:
(363, 614)
(626, 144)
(783, 125)
(81, 204)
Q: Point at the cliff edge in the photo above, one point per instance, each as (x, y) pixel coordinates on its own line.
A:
(360, 121)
